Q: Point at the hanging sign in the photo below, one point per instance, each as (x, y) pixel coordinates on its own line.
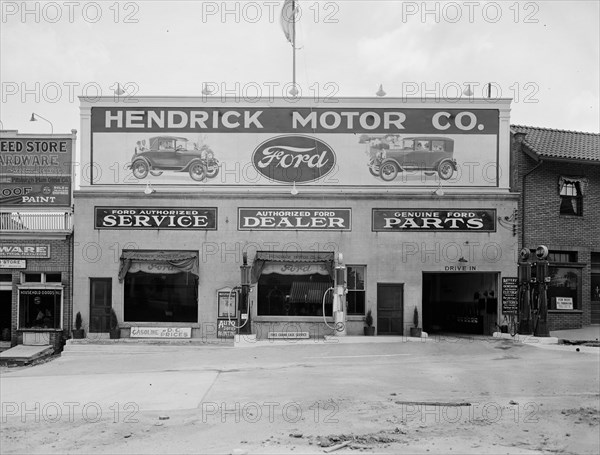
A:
(24, 251)
(427, 220)
(155, 218)
(292, 219)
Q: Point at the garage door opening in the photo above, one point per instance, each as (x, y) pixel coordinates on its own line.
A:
(460, 302)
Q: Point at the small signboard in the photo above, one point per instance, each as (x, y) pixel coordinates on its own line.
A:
(13, 264)
(227, 303)
(161, 332)
(564, 303)
(510, 297)
(288, 335)
(24, 251)
(226, 328)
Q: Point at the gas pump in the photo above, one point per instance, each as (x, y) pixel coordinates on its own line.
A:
(245, 276)
(524, 286)
(540, 328)
(243, 314)
(339, 299)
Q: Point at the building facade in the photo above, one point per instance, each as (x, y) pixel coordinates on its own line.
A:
(409, 198)
(558, 177)
(36, 246)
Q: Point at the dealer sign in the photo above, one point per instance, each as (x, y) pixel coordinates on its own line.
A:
(155, 218)
(427, 220)
(294, 219)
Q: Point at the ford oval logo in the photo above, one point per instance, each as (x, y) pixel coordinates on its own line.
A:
(293, 158)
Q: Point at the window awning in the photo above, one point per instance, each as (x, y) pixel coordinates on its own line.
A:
(184, 261)
(291, 258)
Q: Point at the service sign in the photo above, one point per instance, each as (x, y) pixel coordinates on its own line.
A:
(233, 144)
(564, 303)
(226, 328)
(24, 251)
(155, 218)
(36, 194)
(427, 220)
(35, 157)
(510, 297)
(292, 219)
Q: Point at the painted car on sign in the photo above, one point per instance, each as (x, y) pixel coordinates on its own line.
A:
(390, 155)
(172, 153)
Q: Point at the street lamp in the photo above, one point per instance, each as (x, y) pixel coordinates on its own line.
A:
(34, 119)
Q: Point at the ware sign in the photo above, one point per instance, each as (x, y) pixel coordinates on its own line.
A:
(155, 218)
(292, 219)
(25, 251)
(427, 220)
(341, 145)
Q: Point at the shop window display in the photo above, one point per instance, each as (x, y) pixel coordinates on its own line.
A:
(294, 295)
(156, 297)
(39, 308)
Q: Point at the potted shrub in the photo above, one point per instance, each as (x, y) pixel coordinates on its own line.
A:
(369, 329)
(78, 332)
(416, 331)
(115, 332)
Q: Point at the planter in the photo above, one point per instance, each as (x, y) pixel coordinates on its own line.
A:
(115, 334)
(369, 331)
(78, 334)
(416, 332)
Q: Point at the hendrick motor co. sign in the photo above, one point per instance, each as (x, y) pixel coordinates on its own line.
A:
(282, 219)
(155, 218)
(427, 220)
(371, 144)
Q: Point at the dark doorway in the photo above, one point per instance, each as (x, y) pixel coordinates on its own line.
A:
(460, 302)
(100, 304)
(390, 309)
(5, 314)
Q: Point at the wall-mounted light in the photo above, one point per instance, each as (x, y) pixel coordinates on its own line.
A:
(149, 190)
(119, 91)
(381, 91)
(468, 91)
(294, 191)
(462, 259)
(34, 119)
(293, 91)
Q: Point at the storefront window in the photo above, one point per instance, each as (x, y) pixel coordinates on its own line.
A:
(356, 289)
(155, 297)
(294, 290)
(160, 286)
(40, 308)
(563, 288)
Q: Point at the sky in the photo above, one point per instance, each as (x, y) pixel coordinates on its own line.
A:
(545, 55)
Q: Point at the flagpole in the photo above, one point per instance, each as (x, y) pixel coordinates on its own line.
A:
(294, 45)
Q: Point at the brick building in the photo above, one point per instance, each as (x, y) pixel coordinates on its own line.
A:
(558, 175)
(36, 246)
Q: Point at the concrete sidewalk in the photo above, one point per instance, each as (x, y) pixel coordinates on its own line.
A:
(587, 333)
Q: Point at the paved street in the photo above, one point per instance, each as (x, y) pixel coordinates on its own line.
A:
(446, 395)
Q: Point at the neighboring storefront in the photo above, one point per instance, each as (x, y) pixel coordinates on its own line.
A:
(36, 237)
(411, 197)
(558, 176)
